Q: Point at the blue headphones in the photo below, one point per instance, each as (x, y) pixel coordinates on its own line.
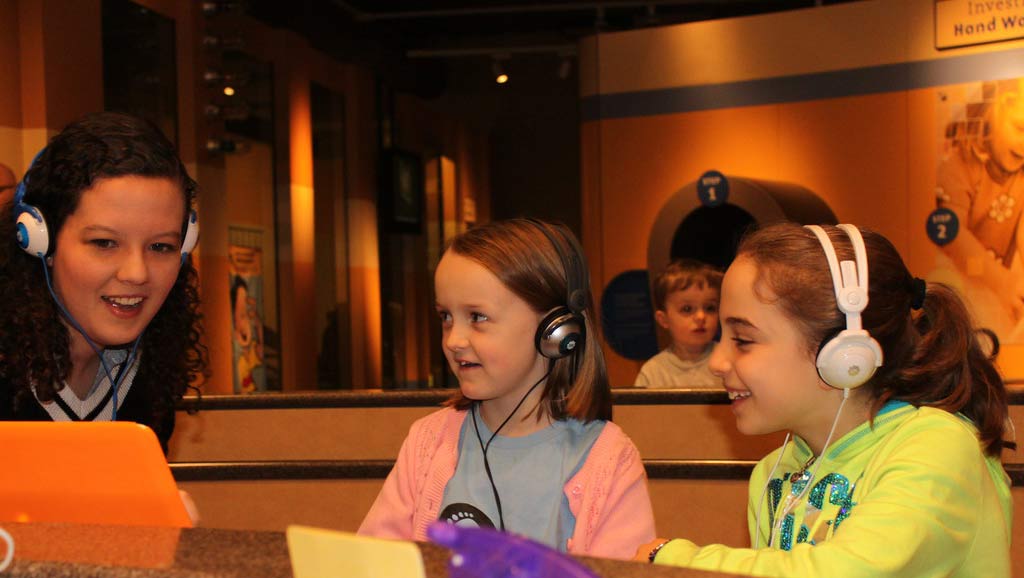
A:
(34, 236)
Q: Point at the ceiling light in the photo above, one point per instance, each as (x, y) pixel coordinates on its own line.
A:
(498, 71)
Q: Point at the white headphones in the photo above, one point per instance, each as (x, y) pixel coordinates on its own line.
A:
(849, 359)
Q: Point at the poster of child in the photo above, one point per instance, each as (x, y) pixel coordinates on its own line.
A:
(979, 180)
(247, 342)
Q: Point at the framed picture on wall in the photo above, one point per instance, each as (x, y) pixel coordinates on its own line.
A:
(401, 192)
(246, 279)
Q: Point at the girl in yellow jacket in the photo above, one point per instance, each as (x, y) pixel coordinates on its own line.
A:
(896, 416)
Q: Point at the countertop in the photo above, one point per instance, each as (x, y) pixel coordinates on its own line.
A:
(82, 551)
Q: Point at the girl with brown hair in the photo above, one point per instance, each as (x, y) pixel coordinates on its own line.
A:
(898, 416)
(525, 444)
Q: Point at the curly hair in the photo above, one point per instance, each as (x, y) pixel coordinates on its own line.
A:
(34, 342)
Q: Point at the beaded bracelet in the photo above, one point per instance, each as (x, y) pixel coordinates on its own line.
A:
(654, 552)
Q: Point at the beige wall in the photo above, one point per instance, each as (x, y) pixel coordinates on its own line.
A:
(292, 434)
(659, 432)
(793, 42)
(710, 510)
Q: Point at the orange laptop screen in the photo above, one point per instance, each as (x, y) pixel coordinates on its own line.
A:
(86, 473)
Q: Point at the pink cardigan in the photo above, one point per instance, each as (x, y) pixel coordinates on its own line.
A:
(608, 495)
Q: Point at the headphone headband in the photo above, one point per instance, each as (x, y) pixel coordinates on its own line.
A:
(849, 278)
(19, 191)
(850, 358)
(562, 332)
(575, 274)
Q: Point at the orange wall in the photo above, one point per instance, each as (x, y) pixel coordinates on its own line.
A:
(50, 58)
(10, 97)
(644, 161)
(10, 69)
(871, 157)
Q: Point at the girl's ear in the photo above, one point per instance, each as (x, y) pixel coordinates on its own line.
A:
(662, 318)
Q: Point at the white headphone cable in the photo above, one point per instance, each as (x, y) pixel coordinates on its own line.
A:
(791, 502)
(9, 557)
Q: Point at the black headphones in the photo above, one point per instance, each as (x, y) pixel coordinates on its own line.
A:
(34, 237)
(562, 332)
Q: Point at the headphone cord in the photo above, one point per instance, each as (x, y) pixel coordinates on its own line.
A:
(5, 536)
(114, 384)
(792, 502)
(484, 447)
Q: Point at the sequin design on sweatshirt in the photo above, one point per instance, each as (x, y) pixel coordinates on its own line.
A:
(839, 493)
(774, 497)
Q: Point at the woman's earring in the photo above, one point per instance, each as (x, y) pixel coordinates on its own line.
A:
(49, 261)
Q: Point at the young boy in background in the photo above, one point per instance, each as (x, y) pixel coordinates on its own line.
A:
(686, 305)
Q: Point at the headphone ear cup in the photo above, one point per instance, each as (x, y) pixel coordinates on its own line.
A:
(560, 334)
(191, 235)
(849, 359)
(33, 236)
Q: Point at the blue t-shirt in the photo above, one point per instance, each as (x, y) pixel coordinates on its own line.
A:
(529, 472)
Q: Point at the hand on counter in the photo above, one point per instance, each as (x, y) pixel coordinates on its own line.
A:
(646, 552)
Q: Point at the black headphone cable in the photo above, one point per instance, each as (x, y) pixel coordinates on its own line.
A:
(484, 447)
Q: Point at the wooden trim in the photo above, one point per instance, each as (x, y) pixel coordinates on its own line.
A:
(435, 397)
(378, 469)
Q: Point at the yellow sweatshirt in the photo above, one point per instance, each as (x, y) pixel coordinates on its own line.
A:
(912, 496)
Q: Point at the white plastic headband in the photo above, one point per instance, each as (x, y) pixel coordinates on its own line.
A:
(849, 279)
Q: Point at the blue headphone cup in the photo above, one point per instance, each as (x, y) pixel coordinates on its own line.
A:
(33, 236)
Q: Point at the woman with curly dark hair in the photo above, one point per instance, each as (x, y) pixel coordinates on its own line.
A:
(99, 311)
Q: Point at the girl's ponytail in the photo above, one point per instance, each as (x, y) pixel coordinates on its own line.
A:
(949, 369)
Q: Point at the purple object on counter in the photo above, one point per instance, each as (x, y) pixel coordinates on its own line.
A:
(486, 553)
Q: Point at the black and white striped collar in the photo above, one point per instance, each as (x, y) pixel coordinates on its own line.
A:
(97, 405)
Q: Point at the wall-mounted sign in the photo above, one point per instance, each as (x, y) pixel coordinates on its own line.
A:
(713, 189)
(942, 226)
(967, 22)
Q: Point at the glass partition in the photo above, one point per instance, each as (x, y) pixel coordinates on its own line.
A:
(333, 304)
(139, 72)
(242, 103)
